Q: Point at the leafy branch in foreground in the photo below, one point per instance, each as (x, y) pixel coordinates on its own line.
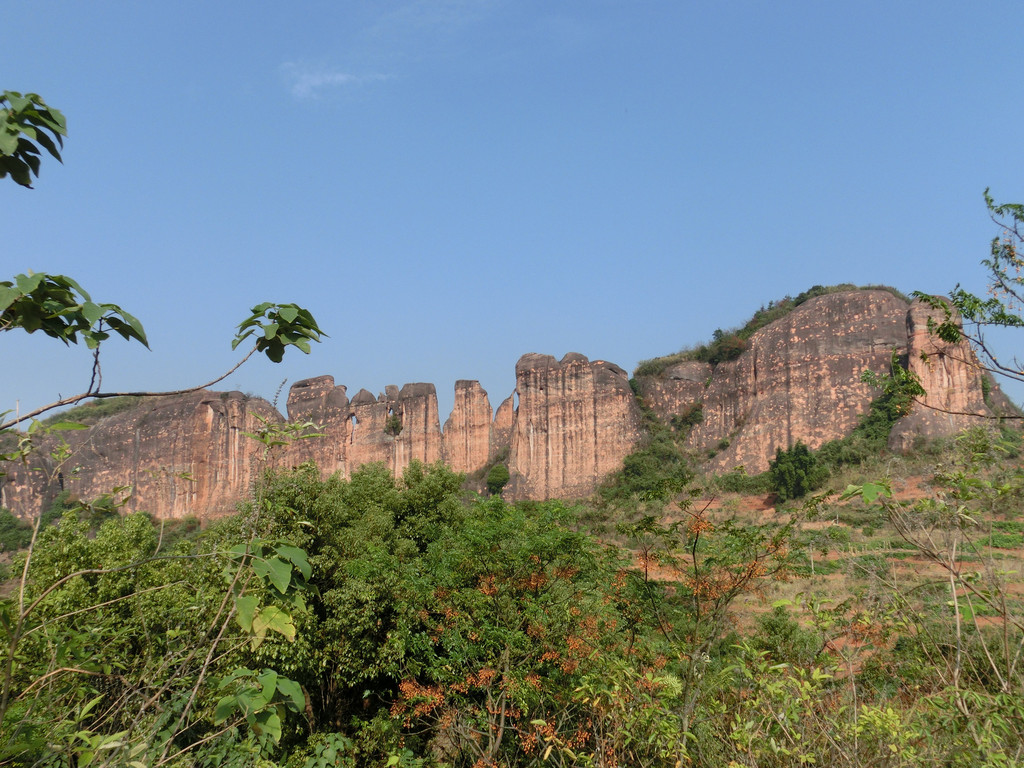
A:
(25, 121)
(59, 307)
(967, 316)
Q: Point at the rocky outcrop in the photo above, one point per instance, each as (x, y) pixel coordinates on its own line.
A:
(177, 457)
(501, 433)
(396, 427)
(798, 379)
(576, 421)
(319, 402)
(569, 423)
(950, 376)
(469, 430)
(677, 389)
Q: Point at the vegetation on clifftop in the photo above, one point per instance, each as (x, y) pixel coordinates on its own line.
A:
(730, 344)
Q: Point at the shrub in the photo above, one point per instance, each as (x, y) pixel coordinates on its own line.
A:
(688, 419)
(15, 534)
(497, 478)
(795, 472)
(393, 425)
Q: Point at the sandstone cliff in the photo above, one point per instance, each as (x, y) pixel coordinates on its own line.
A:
(798, 379)
(576, 422)
(180, 457)
(951, 377)
(469, 431)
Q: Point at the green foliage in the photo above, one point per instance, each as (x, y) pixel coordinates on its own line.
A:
(25, 122)
(393, 425)
(738, 481)
(15, 534)
(656, 471)
(92, 412)
(117, 645)
(729, 344)
(794, 472)
(278, 326)
(497, 479)
(684, 422)
(59, 307)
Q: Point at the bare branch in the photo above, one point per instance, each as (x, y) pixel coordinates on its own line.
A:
(100, 395)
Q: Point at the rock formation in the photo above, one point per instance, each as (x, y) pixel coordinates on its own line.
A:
(469, 430)
(949, 374)
(798, 379)
(575, 421)
(179, 456)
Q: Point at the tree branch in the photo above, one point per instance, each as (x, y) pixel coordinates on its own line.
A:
(90, 395)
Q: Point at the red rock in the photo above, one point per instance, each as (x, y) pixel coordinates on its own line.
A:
(576, 421)
(468, 431)
(798, 379)
(950, 375)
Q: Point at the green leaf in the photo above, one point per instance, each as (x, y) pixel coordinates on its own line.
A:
(274, 619)
(245, 610)
(140, 332)
(92, 312)
(30, 282)
(268, 681)
(291, 691)
(298, 558)
(226, 707)
(278, 571)
(269, 725)
(8, 143)
(8, 295)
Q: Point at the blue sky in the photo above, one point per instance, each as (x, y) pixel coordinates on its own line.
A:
(450, 185)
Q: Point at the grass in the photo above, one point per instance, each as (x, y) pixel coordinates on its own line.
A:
(94, 411)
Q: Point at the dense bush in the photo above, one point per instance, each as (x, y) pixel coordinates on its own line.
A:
(794, 472)
(15, 533)
(656, 471)
(497, 479)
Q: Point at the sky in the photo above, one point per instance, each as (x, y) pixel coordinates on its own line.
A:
(448, 185)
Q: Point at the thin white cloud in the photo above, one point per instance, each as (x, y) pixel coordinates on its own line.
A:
(308, 81)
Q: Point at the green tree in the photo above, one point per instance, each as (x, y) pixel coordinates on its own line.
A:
(497, 479)
(794, 472)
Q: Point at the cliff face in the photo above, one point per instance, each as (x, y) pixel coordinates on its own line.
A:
(798, 379)
(183, 456)
(576, 420)
(469, 430)
(949, 374)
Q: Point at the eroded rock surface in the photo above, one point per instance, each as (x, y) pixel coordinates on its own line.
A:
(469, 430)
(798, 379)
(181, 457)
(951, 377)
(576, 420)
